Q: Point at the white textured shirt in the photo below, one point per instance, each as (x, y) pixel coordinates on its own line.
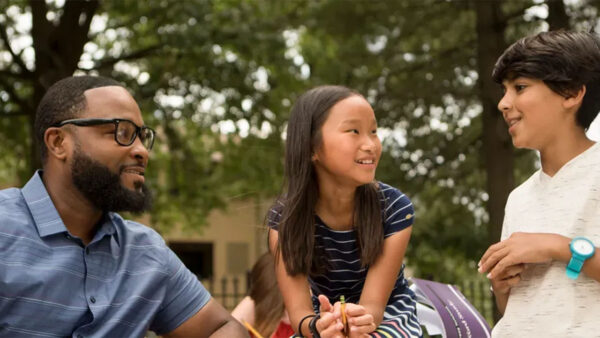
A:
(546, 303)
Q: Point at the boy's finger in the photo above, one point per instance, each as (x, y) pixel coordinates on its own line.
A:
(492, 249)
(492, 261)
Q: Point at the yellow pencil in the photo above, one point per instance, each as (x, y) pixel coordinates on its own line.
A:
(251, 329)
(343, 308)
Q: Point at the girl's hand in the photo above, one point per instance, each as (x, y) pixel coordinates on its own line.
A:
(519, 248)
(360, 322)
(329, 325)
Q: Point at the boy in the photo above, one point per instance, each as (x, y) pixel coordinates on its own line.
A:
(545, 273)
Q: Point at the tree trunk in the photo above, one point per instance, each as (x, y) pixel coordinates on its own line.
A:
(557, 15)
(57, 51)
(497, 146)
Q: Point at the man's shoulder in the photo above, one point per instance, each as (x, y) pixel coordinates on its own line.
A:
(10, 195)
(13, 205)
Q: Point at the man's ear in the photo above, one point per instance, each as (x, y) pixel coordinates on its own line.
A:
(56, 143)
(575, 100)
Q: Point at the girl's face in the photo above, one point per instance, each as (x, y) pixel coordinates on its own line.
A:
(534, 113)
(349, 149)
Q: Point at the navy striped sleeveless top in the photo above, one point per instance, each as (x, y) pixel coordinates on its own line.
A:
(345, 276)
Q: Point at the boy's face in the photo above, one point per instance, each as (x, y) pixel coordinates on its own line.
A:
(535, 114)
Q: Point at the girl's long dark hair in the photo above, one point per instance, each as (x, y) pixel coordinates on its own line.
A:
(297, 223)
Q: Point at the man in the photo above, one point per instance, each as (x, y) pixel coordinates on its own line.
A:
(69, 264)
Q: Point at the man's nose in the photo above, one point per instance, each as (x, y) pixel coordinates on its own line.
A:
(139, 151)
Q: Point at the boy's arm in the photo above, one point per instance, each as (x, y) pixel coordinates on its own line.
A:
(523, 247)
(502, 283)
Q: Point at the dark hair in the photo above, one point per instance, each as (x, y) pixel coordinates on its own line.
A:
(268, 302)
(297, 225)
(64, 100)
(564, 60)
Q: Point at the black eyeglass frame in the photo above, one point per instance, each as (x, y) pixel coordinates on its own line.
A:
(96, 122)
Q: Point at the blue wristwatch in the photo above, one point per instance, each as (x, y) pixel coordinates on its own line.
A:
(582, 249)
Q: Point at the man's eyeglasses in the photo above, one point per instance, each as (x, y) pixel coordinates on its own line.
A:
(125, 130)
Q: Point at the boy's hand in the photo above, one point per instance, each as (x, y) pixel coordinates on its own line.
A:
(329, 325)
(519, 248)
(511, 276)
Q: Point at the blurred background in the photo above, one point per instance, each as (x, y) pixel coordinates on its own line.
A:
(217, 79)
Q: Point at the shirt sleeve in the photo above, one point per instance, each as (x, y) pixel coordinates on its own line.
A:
(274, 215)
(398, 211)
(184, 296)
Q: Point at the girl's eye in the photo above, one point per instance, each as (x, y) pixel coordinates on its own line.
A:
(374, 131)
(354, 131)
(519, 87)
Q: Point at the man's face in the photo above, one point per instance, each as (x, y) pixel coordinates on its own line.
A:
(110, 175)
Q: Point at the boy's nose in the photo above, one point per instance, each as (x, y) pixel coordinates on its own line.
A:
(504, 105)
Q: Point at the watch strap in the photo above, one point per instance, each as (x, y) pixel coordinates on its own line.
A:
(575, 265)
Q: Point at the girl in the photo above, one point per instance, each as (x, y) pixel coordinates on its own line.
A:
(337, 232)
(263, 308)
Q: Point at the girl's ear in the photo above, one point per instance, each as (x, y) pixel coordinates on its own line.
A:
(574, 101)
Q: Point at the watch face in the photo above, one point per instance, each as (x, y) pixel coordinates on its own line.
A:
(583, 247)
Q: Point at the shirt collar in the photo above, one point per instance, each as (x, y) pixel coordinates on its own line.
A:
(46, 217)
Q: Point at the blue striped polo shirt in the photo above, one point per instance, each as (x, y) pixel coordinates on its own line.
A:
(124, 282)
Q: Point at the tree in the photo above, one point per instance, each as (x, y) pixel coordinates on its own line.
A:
(217, 80)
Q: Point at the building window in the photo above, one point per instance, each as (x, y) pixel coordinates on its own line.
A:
(197, 257)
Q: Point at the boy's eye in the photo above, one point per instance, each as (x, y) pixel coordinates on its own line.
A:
(519, 87)
(374, 131)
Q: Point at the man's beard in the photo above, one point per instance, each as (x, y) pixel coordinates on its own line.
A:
(103, 188)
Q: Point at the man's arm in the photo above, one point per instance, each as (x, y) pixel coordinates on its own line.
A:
(212, 320)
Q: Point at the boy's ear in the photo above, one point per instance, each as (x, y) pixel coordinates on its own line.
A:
(54, 138)
(575, 99)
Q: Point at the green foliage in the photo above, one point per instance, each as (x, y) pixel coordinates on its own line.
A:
(217, 79)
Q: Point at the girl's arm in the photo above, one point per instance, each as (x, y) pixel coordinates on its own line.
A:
(296, 296)
(244, 311)
(383, 274)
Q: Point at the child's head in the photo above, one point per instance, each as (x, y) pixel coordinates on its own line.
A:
(331, 135)
(564, 61)
(333, 131)
(268, 302)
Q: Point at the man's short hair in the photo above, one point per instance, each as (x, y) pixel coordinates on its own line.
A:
(564, 60)
(64, 100)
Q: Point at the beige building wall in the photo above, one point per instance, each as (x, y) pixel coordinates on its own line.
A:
(238, 236)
